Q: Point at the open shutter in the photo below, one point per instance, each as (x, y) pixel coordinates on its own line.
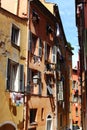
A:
(49, 90)
(29, 80)
(21, 69)
(30, 41)
(54, 54)
(45, 51)
(60, 96)
(39, 75)
(40, 88)
(40, 48)
(29, 76)
(8, 75)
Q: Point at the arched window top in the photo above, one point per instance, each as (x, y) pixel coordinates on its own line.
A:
(49, 117)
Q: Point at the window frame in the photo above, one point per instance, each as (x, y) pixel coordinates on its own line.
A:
(33, 116)
(49, 118)
(18, 85)
(15, 29)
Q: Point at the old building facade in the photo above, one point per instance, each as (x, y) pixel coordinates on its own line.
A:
(12, 69)
(45, 61)
(76, 99)
(81, 23)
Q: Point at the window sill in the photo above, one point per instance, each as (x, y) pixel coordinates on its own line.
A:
(16, 46)
(33, 123)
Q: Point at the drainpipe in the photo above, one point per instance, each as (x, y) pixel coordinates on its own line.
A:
(18, 4)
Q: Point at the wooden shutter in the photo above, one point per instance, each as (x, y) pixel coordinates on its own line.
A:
(29, 80)
(8, 75)
(30, 41)
(54, 54)
(21, 70)
(40, 88)
(29, 76)
(45, 51)
(40, 48)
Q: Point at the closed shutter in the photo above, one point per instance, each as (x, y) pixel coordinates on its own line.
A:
(21, 70)
(8, 75)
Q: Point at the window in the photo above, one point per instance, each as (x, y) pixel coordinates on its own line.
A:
(15, 76)
(49, 29)
(76, 111)
(47, 52)
(33, 114)
(34, 82)
(75, 98)
(42, 114)
(35, 16)
(35, 45)
(49, 123)
(73, 84)
(15, 35)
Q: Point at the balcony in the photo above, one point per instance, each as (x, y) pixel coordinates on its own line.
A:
(34, 89)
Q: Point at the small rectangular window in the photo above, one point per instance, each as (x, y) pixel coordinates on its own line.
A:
(42, 114)
(15, 35)
(76, 111)
(33, 114)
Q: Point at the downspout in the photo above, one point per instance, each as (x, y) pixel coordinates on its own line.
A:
(18, 5)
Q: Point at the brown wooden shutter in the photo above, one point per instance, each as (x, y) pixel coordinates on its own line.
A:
(30, 41)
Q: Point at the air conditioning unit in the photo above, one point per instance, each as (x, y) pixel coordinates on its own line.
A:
(60, 96)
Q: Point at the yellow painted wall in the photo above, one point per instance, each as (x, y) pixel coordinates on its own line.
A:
(9, 112)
